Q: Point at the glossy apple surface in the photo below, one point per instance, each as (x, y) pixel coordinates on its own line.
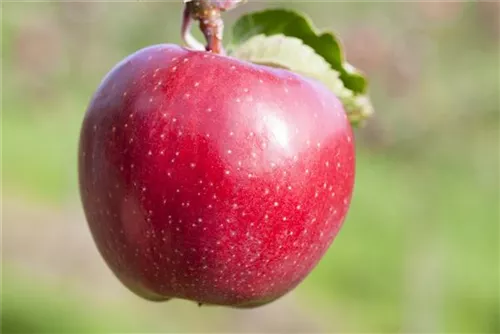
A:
(207, 178)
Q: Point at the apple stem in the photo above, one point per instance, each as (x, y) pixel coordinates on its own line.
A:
(212, 29)
(208, 14)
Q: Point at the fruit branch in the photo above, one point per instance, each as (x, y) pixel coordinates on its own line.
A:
(208, 14)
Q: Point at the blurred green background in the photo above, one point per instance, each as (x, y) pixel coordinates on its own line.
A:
(419, 251)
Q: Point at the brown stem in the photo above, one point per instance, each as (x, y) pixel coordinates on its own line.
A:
(208, 13)
(212, 27)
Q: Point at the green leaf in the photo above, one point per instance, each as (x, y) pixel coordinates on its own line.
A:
(292, 54)
(289, 53)
(292, 24)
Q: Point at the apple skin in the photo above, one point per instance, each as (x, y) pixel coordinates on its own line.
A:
(208, 178)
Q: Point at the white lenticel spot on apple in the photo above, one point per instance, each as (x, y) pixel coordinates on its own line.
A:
(238, 100)
(276, 203)
(196, 84)
(338, 165)
(185, 60)
(229, 151)
(227, 172)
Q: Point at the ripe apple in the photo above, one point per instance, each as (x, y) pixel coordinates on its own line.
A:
(212, 179)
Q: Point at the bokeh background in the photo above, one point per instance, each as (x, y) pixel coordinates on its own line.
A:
(419, 251)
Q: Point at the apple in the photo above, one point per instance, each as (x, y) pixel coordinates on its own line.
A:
(212, 179)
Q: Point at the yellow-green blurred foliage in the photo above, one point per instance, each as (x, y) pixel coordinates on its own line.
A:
(419, 249)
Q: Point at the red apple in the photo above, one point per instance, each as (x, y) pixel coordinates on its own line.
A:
(211, 179)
